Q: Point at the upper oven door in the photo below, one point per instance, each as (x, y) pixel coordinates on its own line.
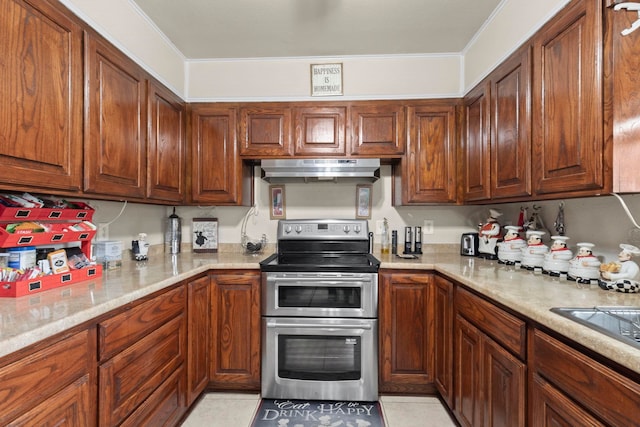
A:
(320, 294)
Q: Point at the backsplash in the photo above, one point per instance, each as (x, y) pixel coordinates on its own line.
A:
(600, 220)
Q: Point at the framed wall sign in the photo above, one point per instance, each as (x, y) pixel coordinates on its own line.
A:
(326, 79)
(205, 235)
(276, 201)
(363, 201)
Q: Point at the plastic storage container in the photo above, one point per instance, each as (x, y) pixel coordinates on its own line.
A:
(22, 258)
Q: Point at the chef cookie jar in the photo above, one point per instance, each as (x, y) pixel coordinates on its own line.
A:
(533, 254)
(621, 276)
(510, 249)
(556, 261)
(585, 266)
(489, 234)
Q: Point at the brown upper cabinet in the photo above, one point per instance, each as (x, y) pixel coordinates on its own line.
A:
(377, 129)
(475, 144)
(312, 129)
(40, 97)
(320, 130)
(428, 170)
(511, 127)
(568, 152)
(265, 130)
(115, 117)
(166, 173)
(496, 147)
(218, 175)
(623, 94)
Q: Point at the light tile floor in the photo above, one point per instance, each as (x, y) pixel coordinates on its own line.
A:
(236, 410)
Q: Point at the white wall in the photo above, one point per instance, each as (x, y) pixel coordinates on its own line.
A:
(122, 23)
(288, 79)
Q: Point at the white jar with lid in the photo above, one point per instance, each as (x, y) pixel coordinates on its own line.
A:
(22, 258)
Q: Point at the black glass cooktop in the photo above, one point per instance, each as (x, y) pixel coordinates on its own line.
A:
(356, 263)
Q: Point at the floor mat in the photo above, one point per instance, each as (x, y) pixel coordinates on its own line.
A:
(314, 413)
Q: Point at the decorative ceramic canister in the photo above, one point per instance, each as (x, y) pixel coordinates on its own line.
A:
(556, 261)
(621, 276)
(510, 249)
(488, 235)
(533, 254)
(585, 266)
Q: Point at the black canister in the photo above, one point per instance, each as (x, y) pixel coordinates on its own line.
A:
(394, 242)
(417, 246)
(408, 240)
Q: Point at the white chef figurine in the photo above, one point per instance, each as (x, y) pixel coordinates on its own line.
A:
(585, 266)
(488, 236)
(510, 249)
(556, 261)
(533, 254)
(622, 275)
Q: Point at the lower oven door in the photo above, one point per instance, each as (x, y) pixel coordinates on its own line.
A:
(320, 358)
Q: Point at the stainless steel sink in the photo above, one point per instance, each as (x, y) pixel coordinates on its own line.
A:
(621, 323)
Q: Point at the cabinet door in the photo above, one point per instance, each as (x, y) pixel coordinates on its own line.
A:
(550, 408)
(40, 97)
(320, 131)
(198, 337)
(511, 127)
(56, 383)
(377, 129)
(265, 131)
(218, 175)
(406, 333)
(129, 378)
(504, 380)
(443, 333)
(115, 122)
(68, 407)
(166, 145)
(568, 145)
(468, 373)
(235, 331)
(624, 79)
(429, 170)
(476, 156)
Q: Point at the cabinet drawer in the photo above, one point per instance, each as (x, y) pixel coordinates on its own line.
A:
(37, 377)
(127, 328)
(164, 407)
(609, 395)
(504, 328)
(131, 376)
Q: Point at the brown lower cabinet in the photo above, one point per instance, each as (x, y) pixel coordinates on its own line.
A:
(489, 369)
(198, 325)
(405, 332)
(147, 363)
(235, 330)
(54, 385)
(569, 388)
(141, 353)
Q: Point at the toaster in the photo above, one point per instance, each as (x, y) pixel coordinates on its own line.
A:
(469, 244)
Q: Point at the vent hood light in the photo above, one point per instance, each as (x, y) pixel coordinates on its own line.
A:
(320, 170)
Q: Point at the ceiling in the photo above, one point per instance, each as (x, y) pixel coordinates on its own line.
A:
(234, 29)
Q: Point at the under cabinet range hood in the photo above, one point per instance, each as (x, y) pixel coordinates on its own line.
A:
(317, 170)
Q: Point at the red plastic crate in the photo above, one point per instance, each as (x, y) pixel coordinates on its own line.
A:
(85, 213)
(58, 235)
(40, 284)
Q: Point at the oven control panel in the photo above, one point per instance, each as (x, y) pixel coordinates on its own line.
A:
(323, 229)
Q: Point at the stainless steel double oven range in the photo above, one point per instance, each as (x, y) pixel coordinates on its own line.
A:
(320, 312)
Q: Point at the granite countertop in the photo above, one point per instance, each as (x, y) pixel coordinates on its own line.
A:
(27, 320)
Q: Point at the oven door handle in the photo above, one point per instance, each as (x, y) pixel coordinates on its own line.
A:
(276, 324)
(331, 280)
